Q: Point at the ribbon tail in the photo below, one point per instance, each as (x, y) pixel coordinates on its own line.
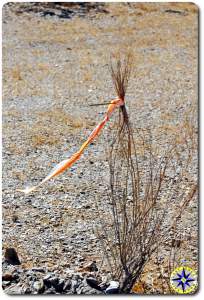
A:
(59, 168)
(67, 163)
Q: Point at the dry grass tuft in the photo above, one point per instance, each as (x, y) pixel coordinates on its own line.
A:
(55, 124)
(16, 73)
(120, 72)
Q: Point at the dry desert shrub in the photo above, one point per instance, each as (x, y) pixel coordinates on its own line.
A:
(148, 195)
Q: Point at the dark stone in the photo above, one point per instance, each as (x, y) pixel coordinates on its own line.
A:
(93, 283)
(48, 13)
(54, 281)
(7, 276)
(87, 206)
(41, 270)
(112, 291)
(5, 284)
(59, 287)
(113, 288)
(11, 256)
(66, 14)
(14, 218)
(27, 290)
(46, 280)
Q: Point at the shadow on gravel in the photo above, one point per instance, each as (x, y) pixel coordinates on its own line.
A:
(63, 10)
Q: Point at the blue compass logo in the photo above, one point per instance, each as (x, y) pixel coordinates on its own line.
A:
(183, 280)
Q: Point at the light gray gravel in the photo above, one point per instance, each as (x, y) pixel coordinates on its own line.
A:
(53, 68)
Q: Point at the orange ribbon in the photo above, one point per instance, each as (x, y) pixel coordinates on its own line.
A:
(67, 163)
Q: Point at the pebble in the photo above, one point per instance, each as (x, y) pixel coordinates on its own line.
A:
(60, 285)
(11, 257)
(41, 270)
(54, 281)
(46, 280)
(93, 283)
(113, 288)
(7, 277)
(39, 286)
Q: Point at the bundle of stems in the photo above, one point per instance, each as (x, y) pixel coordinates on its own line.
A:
(140, 213)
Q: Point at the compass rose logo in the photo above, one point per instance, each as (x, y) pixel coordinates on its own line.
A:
(183, 280)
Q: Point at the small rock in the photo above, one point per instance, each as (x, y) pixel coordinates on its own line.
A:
(87, 206)
(30, 274)
(113, 288)
(39, 286)
(93, 283)
(27, 290)
(7, 276)
(14, 218)
(80, 258)
(86, 288)
(90, 267)
(5, 284)
(41, 270)
(48, 13)
(54, 281)
(46, 280)
(75, 285)
(11, 256)
(67, 285)
(60, 286)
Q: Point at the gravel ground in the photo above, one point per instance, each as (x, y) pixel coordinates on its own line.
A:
(55, 64)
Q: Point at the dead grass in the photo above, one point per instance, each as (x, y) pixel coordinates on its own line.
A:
(54, 125)
(59, 116)
(27, 80)
(16, 73)
(64, 33)
(146, 7)
(76, 33)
